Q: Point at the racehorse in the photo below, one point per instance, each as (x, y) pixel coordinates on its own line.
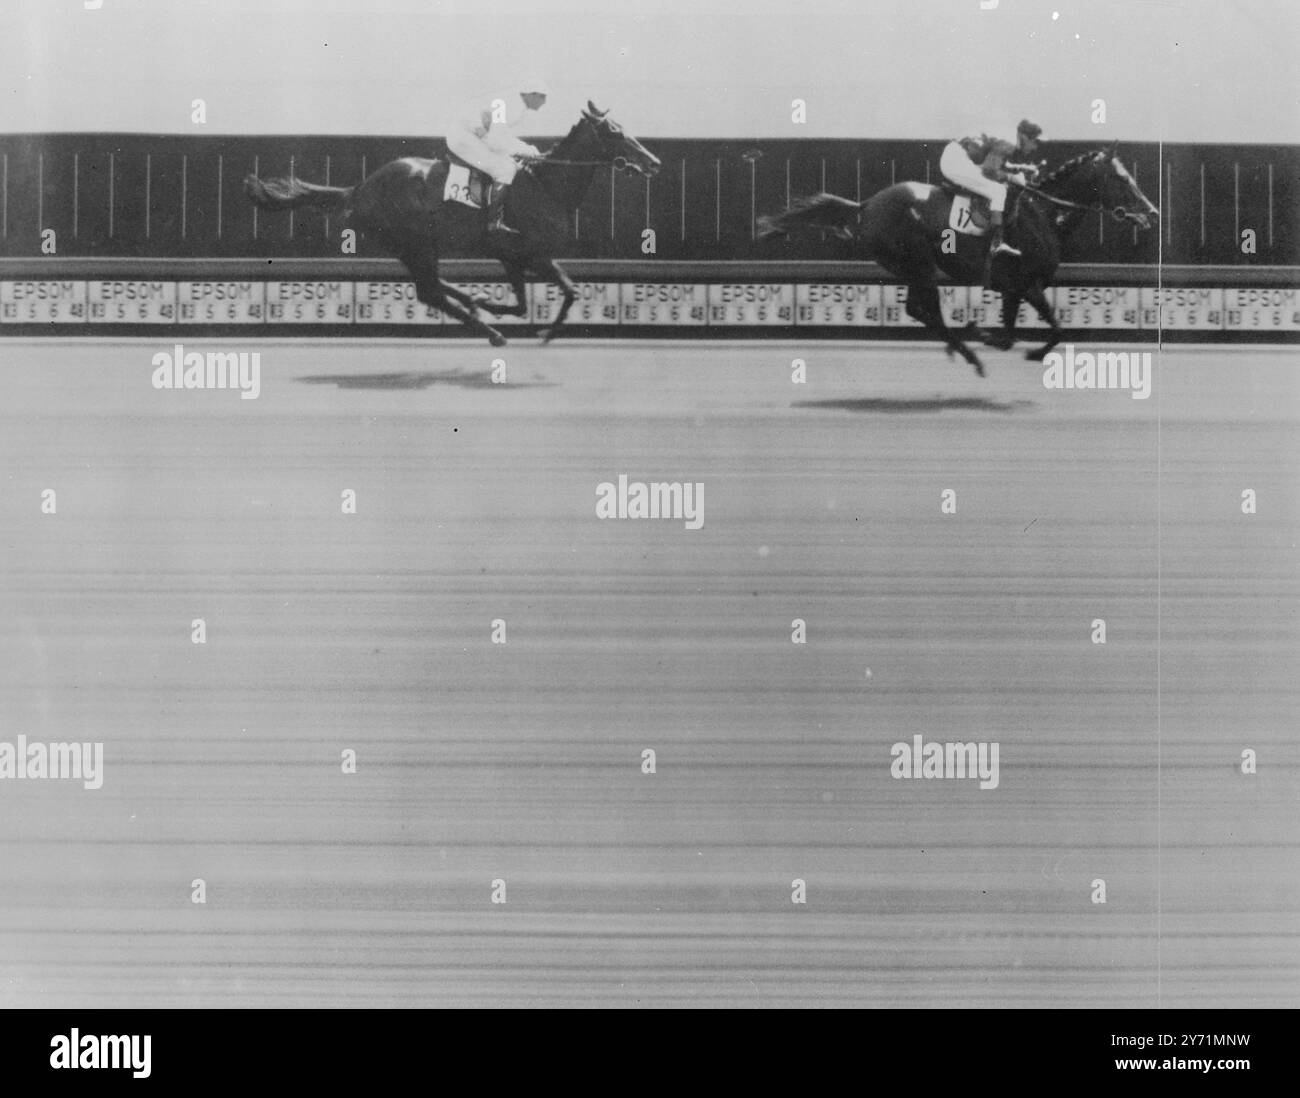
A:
(908, 229)
(402, 205)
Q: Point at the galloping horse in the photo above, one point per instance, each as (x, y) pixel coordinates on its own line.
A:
(402, 205)
(907, 228)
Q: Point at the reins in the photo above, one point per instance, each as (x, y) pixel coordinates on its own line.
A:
(619, 162)
(1057, 201)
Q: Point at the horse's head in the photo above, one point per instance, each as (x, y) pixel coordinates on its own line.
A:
(1100, 178)
(1121, 194)
(611, 145)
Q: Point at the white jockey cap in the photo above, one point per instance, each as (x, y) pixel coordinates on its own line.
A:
(533, 85)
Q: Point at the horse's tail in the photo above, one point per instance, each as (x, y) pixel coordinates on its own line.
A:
(821, 211)
(289, 194)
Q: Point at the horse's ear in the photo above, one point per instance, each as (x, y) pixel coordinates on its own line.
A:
(594, 111)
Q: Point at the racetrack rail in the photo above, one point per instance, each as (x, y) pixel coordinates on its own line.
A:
(1084, 274)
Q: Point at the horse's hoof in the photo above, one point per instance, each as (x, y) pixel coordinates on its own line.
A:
(497, 339)
(979, 366)
(1037, 354)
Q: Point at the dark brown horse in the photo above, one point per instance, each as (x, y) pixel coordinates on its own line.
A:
(907, 229)
(401, 205)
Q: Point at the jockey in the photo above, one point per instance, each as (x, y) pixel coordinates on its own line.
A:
(980, 164)
(480, 135)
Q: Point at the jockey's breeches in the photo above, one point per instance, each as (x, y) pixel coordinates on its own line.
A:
(957, 166)
(472, 149)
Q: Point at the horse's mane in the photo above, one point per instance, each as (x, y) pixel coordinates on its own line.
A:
(570, 136)
(1069, 167)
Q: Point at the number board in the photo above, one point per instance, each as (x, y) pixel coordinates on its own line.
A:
(1264, 309)
(838, 304)
(668, 303)
(733, 304)
(1181, 308)
(309, 302)
(42, 302)
(221, 302)
(597, 303)
(1095, 306)
(131, 302)
(391, 303)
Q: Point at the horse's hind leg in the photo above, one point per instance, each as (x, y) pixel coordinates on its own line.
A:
(923, 305)
(1038, 299)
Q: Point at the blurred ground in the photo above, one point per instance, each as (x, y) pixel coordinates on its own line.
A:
(522, 762)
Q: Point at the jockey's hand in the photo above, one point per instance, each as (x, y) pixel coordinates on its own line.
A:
(1018, 178)
(530, 152)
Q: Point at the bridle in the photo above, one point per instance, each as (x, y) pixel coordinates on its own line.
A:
(1119, 213)
(619, 163)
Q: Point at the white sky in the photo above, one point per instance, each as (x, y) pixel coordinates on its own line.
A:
(1173, 70)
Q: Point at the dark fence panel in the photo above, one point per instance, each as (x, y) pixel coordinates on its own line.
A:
(175, 196)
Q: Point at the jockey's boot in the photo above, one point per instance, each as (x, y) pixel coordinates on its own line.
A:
(497, 209)
(997, 246)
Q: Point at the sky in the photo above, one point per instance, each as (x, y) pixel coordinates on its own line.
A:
(1171, 70)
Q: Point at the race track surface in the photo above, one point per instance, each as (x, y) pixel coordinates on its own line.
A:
(522, 762)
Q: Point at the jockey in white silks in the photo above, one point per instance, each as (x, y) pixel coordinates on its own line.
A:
(480, 135)
(980, 164)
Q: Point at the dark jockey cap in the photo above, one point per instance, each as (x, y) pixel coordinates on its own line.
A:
(1030, 129)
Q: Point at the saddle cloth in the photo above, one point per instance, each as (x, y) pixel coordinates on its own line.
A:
(969, 213)
(464, 184)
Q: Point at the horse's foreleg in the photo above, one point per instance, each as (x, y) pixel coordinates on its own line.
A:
(1038, 299)
(923, 305)
(1005, 339)
(548, 269)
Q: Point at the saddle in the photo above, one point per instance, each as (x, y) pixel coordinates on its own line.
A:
(465, 184)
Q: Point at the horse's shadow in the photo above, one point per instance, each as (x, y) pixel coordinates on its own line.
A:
(421, 379)
(915, 405)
